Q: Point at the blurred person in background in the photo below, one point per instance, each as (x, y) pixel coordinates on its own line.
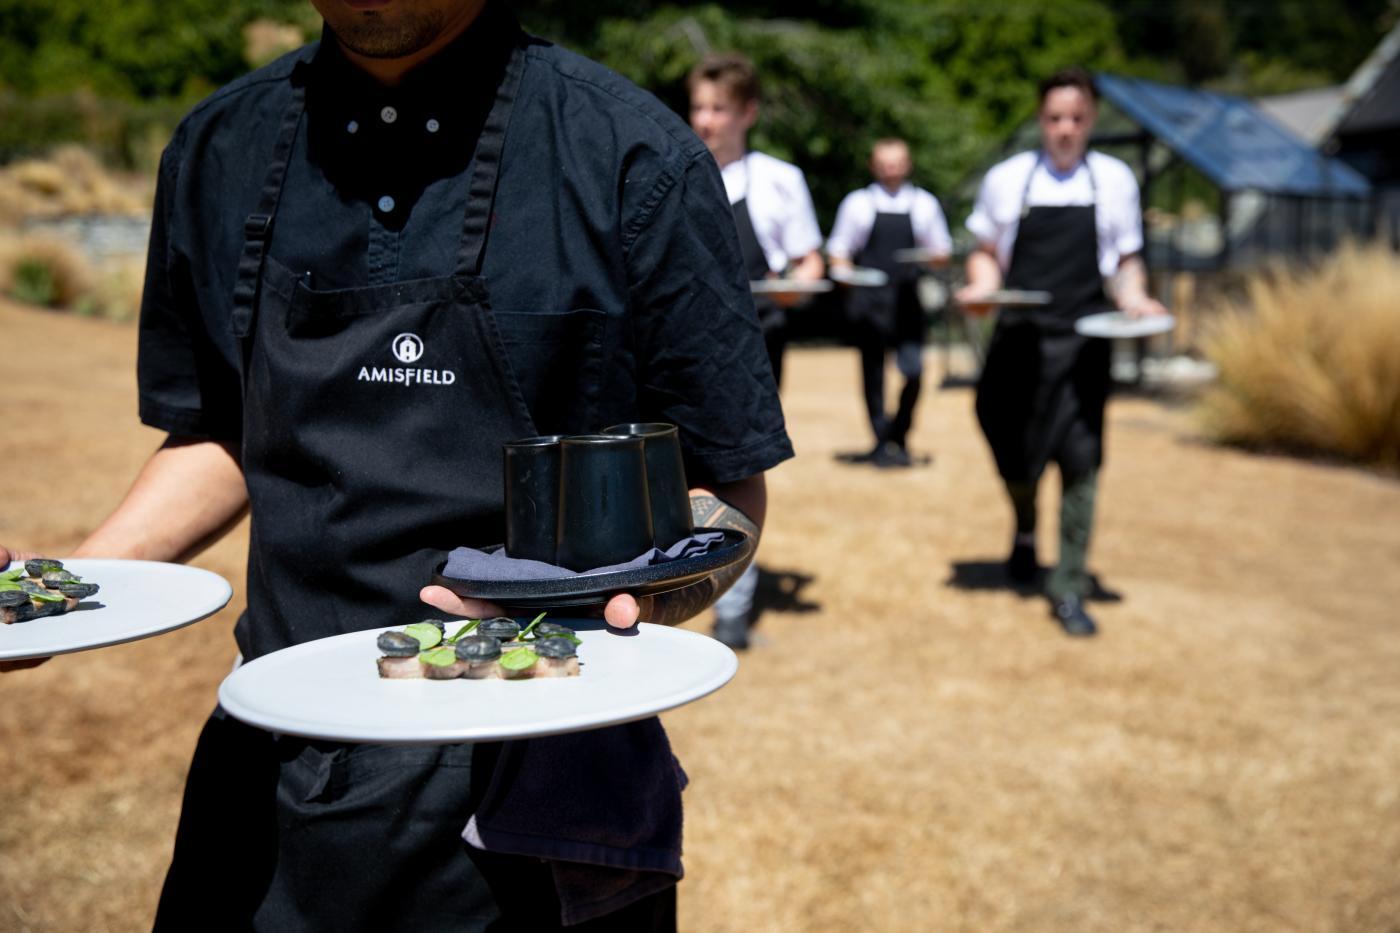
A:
(872, 225)
(778, 235)
(1060, 219)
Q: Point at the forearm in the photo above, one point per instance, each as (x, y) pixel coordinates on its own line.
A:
(739, 506)
(810, 266)
(1130, 282)
(185, 497)
(983, 271)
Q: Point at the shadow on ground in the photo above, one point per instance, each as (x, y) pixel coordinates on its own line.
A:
(781, 591)
(991, 575)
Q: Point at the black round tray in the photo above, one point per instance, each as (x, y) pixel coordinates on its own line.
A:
(595, 589)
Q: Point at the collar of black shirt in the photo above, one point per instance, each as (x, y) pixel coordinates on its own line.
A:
(444, 99)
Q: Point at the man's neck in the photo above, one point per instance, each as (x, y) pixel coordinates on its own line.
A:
(894, 189)
(731, 154)
(391, 71)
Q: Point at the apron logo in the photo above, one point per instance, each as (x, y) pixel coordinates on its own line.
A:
(407, 348)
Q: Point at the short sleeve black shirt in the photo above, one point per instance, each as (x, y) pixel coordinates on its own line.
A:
(606, 202)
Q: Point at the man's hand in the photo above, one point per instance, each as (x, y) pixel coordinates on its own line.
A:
(622, 611)
(7, 555)
(1143, 306)
(1130, 289)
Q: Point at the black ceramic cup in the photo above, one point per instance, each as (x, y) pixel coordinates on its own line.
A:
(604, 509)
(670, 496)
(532, 496)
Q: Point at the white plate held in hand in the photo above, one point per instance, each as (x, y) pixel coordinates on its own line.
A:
(861, 277)
(136, 599)
(331, 689)
(1117, 324)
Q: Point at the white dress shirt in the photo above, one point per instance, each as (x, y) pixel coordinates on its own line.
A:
(1113, 190)
(855, 218)
(780, 206)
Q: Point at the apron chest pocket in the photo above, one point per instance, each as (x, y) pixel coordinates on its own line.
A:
(557, 360)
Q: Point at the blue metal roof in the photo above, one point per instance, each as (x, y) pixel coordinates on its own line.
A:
(1231, 141)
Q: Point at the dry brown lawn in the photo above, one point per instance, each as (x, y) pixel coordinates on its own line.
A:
(1223, 757)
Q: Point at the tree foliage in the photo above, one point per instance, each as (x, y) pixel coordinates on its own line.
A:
(953, 77)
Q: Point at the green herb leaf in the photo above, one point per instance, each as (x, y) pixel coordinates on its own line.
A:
(438, 657)
(463, 631)
(518, 659)
(9, 576)
(428, 635)
(526, 631)
(45, 597)
(9, 585)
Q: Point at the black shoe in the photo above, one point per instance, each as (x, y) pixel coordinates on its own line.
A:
(1021, 566)
(1069, 612)
(892, 455)
(733, 633)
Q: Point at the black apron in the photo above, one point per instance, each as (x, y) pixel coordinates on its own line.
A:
(373, 425)
(772, 317)
(893, 311)
(1043, 388)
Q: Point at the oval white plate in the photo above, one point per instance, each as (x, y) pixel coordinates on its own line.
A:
(790, 286)
(1117, 324)
(861, 277)
(331, 689)
(136, 599)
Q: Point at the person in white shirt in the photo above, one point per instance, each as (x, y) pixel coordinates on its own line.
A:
(778, 236)
(872, 225)
(1061, 220)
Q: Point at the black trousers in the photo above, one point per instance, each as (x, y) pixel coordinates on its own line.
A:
(285, 835)
(874, 352)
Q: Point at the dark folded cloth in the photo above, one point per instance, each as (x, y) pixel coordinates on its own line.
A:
(466, 563)
(603, 807)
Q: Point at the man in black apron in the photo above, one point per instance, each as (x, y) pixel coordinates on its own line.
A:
(373, 262)
(1057, 220)
(778, 235)
(872, 226)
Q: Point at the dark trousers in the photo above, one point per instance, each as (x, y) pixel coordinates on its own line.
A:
(874, 352)
(775, 341)
(287, 835)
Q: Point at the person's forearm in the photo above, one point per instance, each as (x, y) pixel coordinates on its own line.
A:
(983, 271)
(185, 497)
(1130, 283)
(810, 266)
(741, 506)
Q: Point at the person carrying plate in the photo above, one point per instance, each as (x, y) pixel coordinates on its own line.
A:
(778, 235)
(373, 262)
(872, 225)
(1061, 219)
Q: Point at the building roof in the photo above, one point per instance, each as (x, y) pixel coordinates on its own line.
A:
(1230, 140)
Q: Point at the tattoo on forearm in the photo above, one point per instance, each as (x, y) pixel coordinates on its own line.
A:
(678, 605)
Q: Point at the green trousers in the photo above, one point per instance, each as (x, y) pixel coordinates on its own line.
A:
(1077, 493)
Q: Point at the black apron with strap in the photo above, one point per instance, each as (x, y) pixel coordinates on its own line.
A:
(892, 311)
(1042, 392)
(373, 425)
(771, 316)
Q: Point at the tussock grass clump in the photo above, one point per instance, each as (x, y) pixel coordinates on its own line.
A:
(44, 271)
(1309, 362)
(71, 181)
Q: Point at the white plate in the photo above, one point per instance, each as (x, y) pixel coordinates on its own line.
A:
(136, 599)
(1016, 298)
(861, 277)
(1118, 324)
(331, 689)
(790, 286)
(920, 254)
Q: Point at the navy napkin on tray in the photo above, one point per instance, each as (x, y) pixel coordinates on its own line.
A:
(465, 563)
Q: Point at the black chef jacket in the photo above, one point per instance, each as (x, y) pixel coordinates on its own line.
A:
(606, 202)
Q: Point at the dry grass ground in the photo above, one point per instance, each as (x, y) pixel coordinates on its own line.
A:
(1223, 757)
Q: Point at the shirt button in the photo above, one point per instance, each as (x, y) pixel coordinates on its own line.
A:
(434, 126)
(388, 114)
(386, 204)
(353, 126)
